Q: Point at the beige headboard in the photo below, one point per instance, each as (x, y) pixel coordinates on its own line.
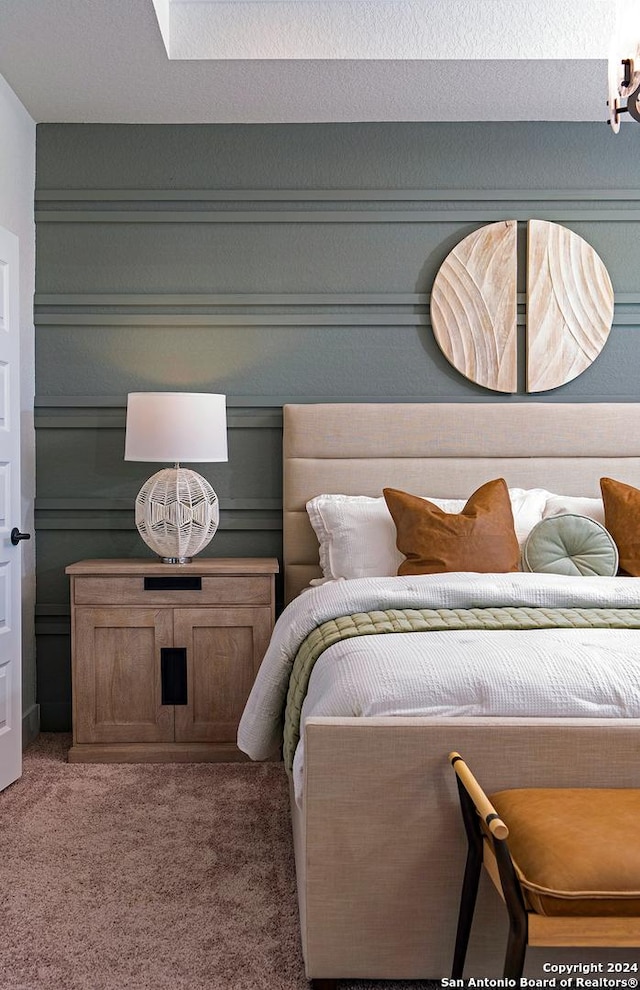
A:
(445, 449)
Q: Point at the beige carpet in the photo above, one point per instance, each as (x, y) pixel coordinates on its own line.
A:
(148, 878)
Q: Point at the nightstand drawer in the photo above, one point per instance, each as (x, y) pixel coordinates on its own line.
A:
(179, 590)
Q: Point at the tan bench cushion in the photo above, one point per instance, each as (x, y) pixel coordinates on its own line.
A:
(576, 851)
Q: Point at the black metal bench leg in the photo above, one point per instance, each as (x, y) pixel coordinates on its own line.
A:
(516, 950)
(467, 907)
(324, 984)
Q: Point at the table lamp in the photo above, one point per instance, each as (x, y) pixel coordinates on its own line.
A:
(177, 510)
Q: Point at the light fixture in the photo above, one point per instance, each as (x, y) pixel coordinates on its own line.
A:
(624, 64)
(623, 84)
(177, 510)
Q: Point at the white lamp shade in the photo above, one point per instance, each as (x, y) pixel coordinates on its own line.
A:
(176, 427)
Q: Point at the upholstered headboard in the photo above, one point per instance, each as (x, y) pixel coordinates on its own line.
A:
(445, 450)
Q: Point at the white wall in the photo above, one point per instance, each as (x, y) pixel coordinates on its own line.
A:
(17, 185)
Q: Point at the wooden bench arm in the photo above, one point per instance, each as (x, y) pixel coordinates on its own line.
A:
(482, 803)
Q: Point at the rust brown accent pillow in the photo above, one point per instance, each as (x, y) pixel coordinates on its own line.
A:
(480, 538)
(622, 519)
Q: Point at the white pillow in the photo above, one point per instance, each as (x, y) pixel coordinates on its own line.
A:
(558, 505)
(357, 535)
(527, 505)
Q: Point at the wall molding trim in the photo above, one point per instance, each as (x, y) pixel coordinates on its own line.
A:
(94, 513)
(232, 309)
(108, 412)
(76, 404)
(94, 503)
(230, 320)
(261, 309)
(571, 194)
(231, 299)
(112, 214)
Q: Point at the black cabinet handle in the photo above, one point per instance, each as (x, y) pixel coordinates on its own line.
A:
(173, 671)
(16, 536)
(174, 582)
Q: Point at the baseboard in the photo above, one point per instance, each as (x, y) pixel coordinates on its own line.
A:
(30, 725)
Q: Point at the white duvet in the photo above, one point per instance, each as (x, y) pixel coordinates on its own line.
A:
(541, 672)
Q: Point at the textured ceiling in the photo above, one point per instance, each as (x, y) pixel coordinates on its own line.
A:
(306, 60)
(383, 29)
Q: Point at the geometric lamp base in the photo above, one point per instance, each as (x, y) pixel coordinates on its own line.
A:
(177, 514)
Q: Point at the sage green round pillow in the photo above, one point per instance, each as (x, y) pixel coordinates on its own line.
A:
(570, 544)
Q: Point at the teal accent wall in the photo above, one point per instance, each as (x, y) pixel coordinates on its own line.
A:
(274, 263)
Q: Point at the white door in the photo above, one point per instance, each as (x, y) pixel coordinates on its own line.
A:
(10, 555)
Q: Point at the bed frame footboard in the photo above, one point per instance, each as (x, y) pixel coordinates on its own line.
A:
(380, 847)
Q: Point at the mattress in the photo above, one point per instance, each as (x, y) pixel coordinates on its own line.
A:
(588, 669)
(384, 622)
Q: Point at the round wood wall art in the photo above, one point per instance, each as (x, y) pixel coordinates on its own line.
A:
(474, 307)
(569, 306)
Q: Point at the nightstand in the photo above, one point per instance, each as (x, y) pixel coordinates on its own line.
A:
(164, 656)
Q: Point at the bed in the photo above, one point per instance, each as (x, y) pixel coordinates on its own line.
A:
(378, 841)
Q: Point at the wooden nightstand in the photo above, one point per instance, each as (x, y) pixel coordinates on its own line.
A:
(164, 656)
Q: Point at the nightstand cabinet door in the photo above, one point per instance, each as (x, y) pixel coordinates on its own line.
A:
(224, 650)
(117, 689)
